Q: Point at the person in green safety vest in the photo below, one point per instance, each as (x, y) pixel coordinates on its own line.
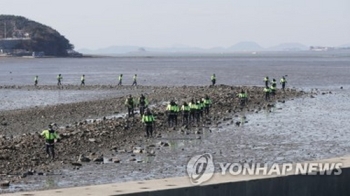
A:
(82, 79)
(185, 108)
(213, 79)
(50, 136)
(36, 80)
(171, 110)
(207, 104)
(266, 80)
(243, 97)
(198, 110)
(143, 103)
(283, 81)
(273, 87)
(130, 104)
(267, 92)
(59, 79)
(193, 110)
(200, 103)
(134, 83)
(149, 121)
(120, 78)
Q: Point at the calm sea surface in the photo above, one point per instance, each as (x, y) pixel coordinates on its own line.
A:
(304, 69)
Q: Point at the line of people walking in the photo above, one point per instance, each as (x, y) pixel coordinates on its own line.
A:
(82, 80)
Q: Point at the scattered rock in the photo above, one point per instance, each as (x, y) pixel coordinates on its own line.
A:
(76, 164)
(5, 183)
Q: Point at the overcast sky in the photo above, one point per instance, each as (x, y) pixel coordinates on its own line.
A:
(97, 24)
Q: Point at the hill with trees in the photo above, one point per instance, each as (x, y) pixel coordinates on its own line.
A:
(31, 36)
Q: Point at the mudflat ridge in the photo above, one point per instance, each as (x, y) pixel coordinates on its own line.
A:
(110, 132)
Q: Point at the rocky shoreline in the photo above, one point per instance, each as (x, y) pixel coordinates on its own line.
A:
(96, 141)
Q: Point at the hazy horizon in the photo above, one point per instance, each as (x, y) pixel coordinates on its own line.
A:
(193, 23)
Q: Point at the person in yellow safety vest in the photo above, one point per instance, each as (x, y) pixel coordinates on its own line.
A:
(120, 78)
(130, 104)
(50, 136)
(59, 79)
(267, 91)
(283, 81)
(143, 103)
(171, 110)
(134, 83)
(36, 79)
(82, 79)
(213, 79)
(149, 121)
(200, 103)
(185, 108)
(266, 80)
(243, 97)
(207, 104)
(193, 109)
(273, 90)
(198, 110)
(274, 83)
(176, 112)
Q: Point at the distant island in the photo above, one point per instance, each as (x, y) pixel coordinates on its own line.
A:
(245, 47)
(20, 36)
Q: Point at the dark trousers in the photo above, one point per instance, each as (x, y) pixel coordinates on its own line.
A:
(175, 119)
(206, 110)
(149, 129)
(266, 83)
(50, 147)
(171, 119)
(59, 82)
(185, 118)
(267, 96)
(283, 85)
(243, 101)
(120, 82)
(142, 109)
(83, 82)
(134, 83)
(198, 115)
(35, 83)
(131, 111)
(192, 115)
(213, 82)
(201, 111)
(273, 92)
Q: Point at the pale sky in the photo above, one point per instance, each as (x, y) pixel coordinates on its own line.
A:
(196, 23)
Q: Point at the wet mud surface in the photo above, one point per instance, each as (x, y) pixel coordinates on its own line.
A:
(100, 145)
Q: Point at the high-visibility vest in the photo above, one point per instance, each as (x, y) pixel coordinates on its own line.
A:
(171, 108)
(129, 101)
(193, 106)
(143, 101)
(267, 90)
(206, 101)
(147, 118)
(213, 77)
(49, 135)
(185, 108)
